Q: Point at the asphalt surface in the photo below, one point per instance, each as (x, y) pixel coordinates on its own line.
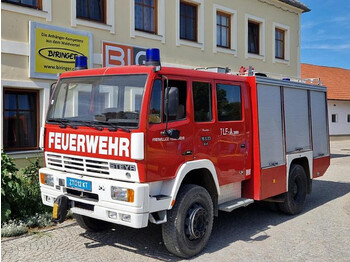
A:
(255, 233)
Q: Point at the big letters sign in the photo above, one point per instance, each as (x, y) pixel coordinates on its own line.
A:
(121, 55)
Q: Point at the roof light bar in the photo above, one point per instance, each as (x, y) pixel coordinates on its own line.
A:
(152, 57)
(80, 62)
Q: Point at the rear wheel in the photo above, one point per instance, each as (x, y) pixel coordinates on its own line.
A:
(294, 199)
(91, 224)
(190, 222)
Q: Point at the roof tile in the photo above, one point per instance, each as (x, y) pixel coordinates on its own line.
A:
(337, 80)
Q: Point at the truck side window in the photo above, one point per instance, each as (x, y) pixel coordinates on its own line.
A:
(202, 102)
(181, 112)
(156, 102)
(229, 102)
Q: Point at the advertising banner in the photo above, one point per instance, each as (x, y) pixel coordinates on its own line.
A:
(115, 54)
(53, 49)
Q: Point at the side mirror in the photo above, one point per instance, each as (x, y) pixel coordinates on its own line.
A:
(173, 133)
(172, 101)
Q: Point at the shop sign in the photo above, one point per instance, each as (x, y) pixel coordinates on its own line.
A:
(53, 49)
(115, 54)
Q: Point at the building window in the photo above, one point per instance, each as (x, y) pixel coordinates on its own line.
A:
(146, 16)
(202, 102)
(334, 118)
(92, 10)
(20, 119)
(223, 30)
(36, 4)
(229, 102)
(188, 21)
(253, 37)
(279, 43)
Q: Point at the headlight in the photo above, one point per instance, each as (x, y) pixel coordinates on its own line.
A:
(122, 194)
(46, 179)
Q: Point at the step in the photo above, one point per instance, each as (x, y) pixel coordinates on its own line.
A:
(234, 204)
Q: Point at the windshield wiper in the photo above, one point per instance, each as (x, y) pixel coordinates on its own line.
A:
(113, 127)
(63, 122)
(89, 123)
(93, 124)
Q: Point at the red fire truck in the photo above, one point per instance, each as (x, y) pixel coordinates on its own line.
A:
(148, 144)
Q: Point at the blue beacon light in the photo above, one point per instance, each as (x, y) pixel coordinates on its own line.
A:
(80, 62)
(152, 57)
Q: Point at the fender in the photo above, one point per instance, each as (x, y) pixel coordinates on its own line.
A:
(291, 157)
(171, 187)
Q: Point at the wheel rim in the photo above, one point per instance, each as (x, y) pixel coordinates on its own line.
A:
(196, 223)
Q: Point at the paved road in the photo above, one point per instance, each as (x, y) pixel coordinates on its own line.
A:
(254, 233)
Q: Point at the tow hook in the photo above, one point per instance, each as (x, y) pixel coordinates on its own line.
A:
(60, 209)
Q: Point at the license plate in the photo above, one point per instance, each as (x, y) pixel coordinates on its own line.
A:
(79, 184)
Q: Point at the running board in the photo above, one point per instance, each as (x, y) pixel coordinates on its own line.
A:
(234, 204)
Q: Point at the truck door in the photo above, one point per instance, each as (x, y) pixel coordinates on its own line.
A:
(164, 155)
(231, 146)
(203, 139)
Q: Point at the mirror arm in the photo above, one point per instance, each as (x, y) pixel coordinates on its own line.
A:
(165, 132)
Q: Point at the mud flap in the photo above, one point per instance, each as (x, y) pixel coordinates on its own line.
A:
(60, 209)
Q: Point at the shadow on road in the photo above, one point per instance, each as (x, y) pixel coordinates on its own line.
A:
(339, 155)
(245, 224)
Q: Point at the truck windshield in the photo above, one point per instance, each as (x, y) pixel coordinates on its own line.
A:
(106, 99)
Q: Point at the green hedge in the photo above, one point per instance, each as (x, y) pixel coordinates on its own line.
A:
(20, 193)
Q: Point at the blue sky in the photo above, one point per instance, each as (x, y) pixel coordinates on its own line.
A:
(326, 33)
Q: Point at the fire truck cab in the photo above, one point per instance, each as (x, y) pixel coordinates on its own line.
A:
(148, 144)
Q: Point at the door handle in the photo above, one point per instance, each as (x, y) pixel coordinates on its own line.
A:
(187, 153)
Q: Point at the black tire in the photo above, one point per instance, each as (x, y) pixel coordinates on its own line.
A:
(294, 199)
(91, 224)
(190, 222)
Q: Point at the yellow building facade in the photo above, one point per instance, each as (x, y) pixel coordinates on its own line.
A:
(40, 38)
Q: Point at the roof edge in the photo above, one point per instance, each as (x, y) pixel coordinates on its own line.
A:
(296, 4)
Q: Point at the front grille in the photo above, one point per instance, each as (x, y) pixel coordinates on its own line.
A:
(82, 194)
(76, 164)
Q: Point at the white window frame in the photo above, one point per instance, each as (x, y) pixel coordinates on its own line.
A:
(286, 30)
(262, 43)
(160, 36)
(44, 96)
(110, 17)
(200, 25)
(46, 12)
(233, 34)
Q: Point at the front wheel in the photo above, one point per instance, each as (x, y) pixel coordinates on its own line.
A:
(294, 199)
(190, 222)
(91, 224)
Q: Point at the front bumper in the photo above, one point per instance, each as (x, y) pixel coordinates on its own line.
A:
(98, 202)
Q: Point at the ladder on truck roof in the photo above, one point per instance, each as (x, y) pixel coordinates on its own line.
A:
(251, 72)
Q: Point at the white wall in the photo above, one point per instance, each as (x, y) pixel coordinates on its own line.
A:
(342, 110)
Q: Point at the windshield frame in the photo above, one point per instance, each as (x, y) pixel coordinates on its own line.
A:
(77, 122)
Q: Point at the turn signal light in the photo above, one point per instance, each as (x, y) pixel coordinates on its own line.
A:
(46, 179)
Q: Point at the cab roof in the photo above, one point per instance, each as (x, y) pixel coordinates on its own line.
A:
(200, 74)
